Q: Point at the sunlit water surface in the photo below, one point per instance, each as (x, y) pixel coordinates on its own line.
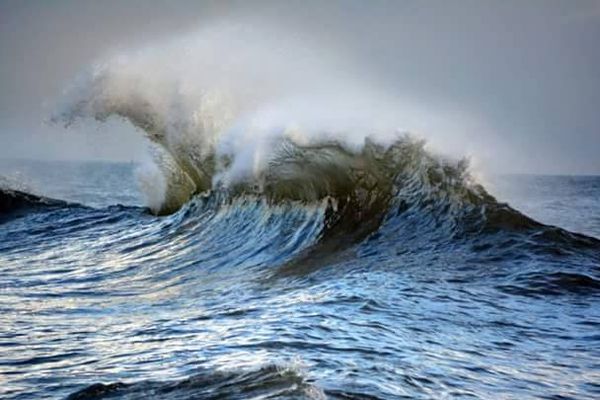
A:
(220, 299)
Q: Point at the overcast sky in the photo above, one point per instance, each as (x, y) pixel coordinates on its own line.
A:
(529, 69)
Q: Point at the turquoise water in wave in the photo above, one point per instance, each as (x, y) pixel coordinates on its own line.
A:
(245, 299)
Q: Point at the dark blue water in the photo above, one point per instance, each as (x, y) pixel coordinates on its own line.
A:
(446, 293)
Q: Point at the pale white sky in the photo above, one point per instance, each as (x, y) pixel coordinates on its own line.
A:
(529, 69)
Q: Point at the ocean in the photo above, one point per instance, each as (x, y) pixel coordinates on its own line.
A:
(407, 280)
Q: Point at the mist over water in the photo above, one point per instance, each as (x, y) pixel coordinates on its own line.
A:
(220, 105)
(512, 85)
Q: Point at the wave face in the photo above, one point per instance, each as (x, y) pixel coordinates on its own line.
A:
(14, 200)
(304, 249)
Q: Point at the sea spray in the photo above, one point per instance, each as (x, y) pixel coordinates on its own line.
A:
(219, 104)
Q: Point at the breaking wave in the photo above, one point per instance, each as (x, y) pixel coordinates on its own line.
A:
(249, 120)
(300, 218)
(248, 123)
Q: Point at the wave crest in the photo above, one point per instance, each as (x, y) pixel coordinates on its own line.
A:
(237, 107)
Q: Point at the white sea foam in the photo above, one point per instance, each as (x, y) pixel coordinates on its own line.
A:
(217, 105)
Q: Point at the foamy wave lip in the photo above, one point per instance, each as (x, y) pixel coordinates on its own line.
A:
(218, 106)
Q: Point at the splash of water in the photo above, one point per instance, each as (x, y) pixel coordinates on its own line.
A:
(232, 106)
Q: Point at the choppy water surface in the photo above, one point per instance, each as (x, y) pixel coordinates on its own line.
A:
(436, 292)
